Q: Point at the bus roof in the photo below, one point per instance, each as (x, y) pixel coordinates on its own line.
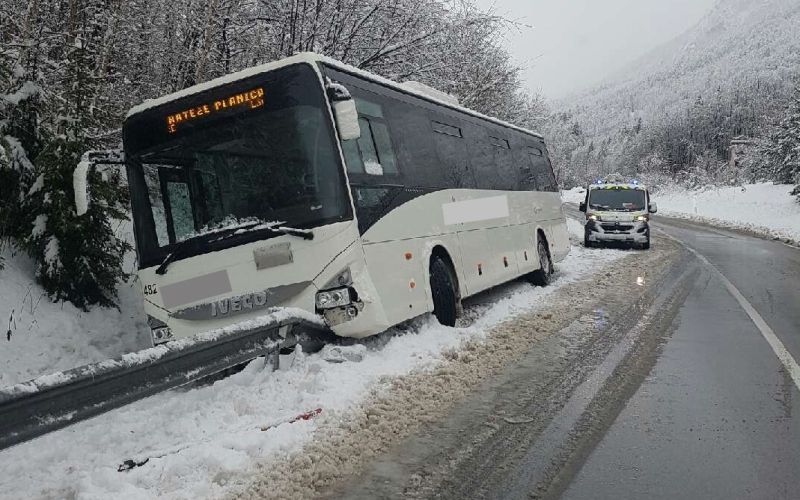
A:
(311, 58)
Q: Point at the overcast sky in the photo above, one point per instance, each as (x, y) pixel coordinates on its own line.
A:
(573, 44)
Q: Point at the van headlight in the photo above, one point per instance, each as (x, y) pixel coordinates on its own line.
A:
(642, 218)
(329, 299)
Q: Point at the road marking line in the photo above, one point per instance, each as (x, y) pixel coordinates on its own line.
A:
(774, 342)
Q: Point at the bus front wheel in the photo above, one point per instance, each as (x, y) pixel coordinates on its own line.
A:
(443, 292)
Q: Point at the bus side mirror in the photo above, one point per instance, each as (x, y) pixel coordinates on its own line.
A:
(87, 165)
(344, 111)
(80, 184)
(653, 208)
(582, 206)
(347, 119)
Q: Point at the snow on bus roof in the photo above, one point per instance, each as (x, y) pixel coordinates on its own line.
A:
(311, 57)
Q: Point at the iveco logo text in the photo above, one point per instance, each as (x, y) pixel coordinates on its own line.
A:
(237, 304)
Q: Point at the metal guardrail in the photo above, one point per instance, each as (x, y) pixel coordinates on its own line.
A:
(34, 408)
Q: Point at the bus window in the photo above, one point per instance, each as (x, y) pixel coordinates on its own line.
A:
(377, 155)
(380, 134)
(156, 198)
(541, 170)
(352, 157)
(181, 217)
(369, 153)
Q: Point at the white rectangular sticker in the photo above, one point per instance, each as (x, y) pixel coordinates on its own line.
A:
(480, 209)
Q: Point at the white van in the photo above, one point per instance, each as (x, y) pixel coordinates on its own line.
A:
(617, 212)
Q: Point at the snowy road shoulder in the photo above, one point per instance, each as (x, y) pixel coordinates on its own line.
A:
(209, 441)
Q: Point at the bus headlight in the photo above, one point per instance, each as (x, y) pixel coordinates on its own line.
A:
(337, 297)
(159, 330)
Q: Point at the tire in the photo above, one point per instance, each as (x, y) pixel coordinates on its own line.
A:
(542, 276)
(646, 244)
(443, 292)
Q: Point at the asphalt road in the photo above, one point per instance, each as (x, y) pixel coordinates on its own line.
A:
(690, 392)
(719, 415)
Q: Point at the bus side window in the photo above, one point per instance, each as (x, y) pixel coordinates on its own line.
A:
(542, 172)
(372, 153)
(451, 150)
(352, 157)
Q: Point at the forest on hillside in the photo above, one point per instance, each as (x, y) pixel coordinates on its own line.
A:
(672, 115)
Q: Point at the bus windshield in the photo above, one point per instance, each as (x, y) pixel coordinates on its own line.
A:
(629, 200)
(259, 150)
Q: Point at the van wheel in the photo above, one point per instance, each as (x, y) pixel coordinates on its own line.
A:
(541, 277)
(443, 292)
(646, 244)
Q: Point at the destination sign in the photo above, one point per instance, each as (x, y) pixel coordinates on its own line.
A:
(250, 99)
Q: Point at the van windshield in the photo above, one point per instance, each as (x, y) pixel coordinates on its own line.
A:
(621, 199)
(268, 159)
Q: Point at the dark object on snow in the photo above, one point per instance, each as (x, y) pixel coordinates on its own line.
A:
(130, 464)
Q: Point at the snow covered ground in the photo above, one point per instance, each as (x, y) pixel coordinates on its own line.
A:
(43, 337)
(766, 209)
(203, 440)
(574, 195)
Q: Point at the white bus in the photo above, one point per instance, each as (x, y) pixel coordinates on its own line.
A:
(307, 183)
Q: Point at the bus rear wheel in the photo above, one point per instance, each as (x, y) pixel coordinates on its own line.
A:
(443, 292)
(542, 276)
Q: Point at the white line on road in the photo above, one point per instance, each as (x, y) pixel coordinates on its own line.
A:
(774, 342)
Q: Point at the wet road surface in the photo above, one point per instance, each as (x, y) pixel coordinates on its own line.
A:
(718, 415)
(681, 394)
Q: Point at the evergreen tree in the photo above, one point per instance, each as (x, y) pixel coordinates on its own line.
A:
(783, 148)
(78, 258)
(19, 113)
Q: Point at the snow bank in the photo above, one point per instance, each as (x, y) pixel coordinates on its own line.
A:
(44, 337)
(575, 195)
(765, 208)
(200, 442)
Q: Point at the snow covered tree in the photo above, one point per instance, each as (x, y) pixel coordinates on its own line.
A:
(782, 150)
(20, 108)
(78, 258)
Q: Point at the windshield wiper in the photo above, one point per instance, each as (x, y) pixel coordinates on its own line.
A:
(201, 242)
(306, 234)
(180, 250)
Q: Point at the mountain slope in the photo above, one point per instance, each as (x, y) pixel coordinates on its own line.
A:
(738, 46)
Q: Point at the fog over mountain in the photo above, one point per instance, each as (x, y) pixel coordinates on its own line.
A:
(680, 105)
(739, 44)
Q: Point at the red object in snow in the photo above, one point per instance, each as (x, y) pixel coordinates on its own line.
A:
(303, 416)
(306, 416)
